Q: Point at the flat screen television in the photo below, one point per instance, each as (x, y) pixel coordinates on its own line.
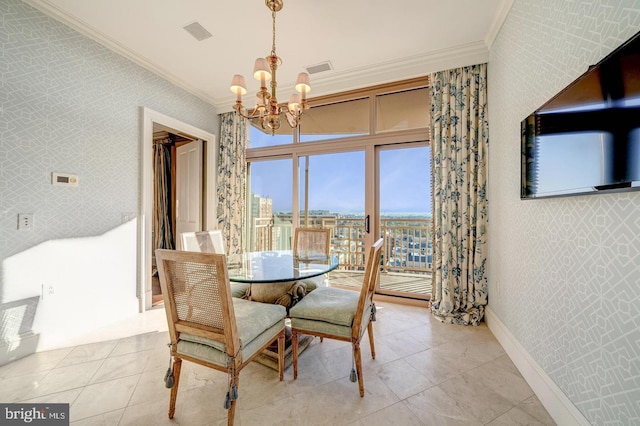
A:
(586, 139)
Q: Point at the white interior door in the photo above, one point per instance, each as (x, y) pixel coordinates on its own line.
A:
(188, 189)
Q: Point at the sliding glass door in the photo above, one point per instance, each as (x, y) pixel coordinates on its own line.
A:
(269, 205)
(337, 191)
(359, 165)
(404, 218)
(332, 195)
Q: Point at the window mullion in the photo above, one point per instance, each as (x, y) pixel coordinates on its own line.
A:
(372, 115)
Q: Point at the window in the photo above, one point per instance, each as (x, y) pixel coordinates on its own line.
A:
(260, 138)
(338, 120)
(269, 205)
(339, 172)
(402, 110)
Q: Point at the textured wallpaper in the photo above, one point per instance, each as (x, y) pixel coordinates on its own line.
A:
(564, 274)
(68, 104)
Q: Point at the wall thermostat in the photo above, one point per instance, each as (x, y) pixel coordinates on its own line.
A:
(64, 179)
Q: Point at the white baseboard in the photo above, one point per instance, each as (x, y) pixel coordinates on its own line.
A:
(559, 407)
(18, 347)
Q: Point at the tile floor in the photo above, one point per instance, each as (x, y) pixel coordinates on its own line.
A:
(425, 373)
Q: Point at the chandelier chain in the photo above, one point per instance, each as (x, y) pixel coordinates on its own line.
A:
(273, 40)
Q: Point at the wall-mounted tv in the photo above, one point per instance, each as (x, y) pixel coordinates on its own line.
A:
(586, 139)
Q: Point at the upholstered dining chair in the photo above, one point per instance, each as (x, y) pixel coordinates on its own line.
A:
(340, 314)
(309, 243)
(211, 242)
(209, 327)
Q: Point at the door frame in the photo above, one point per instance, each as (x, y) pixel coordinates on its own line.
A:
(378, 149)
(149, 117)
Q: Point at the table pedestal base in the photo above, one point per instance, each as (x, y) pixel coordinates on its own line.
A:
(269, 357)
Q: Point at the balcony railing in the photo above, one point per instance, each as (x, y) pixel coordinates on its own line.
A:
(407, 241)
(407, 245)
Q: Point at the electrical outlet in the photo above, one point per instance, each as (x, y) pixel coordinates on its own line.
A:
(47, 291)
(25, 221)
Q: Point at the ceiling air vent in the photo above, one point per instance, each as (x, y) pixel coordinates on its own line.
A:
(315, 69)
(197, 31)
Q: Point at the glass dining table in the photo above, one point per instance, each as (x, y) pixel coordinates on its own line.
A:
(278, 266)
(279, 270)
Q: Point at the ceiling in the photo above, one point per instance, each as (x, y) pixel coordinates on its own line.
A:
(367, 42)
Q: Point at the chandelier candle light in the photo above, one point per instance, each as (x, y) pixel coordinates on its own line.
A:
(267, 110)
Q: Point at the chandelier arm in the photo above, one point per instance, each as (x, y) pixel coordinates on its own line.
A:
(303, 106)
(255, 112)
(292, 120)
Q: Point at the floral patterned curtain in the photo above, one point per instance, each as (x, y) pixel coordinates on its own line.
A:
(459, 160)
(232, 169)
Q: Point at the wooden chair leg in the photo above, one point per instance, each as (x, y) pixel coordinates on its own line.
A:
(356, 353)
(232, 410)
(294, 351)
(177, 365)
(371, 343)
(281, 356)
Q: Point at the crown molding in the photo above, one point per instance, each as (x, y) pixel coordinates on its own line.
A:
(497, 23)
(387, 72)
(336, 81)
(74, 23)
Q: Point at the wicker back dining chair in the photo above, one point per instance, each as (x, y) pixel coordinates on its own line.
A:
(340, 314)
(309, 243)
(211, 242)
(204, 241)
(209, 327)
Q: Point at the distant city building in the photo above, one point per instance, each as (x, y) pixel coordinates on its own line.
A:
(260, 218)
(261, 206)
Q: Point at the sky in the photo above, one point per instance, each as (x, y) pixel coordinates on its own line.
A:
(337, 181)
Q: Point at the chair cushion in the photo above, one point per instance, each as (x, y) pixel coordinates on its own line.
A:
(328, 328)
(313, 327)
(315, 282)
(258, 324)
(328, 304)
(239, 290)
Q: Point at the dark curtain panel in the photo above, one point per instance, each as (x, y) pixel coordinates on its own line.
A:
(162, 221)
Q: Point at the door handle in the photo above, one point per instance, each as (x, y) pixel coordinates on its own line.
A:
(366, 224)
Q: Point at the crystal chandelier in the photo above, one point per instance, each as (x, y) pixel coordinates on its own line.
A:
(267, 110)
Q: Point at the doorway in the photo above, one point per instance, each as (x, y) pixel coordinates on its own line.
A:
(332, 191)
(404, 219)
(177, 193)
(151, 120)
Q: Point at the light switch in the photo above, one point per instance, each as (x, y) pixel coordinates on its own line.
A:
(64, 179)
(25, 221)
